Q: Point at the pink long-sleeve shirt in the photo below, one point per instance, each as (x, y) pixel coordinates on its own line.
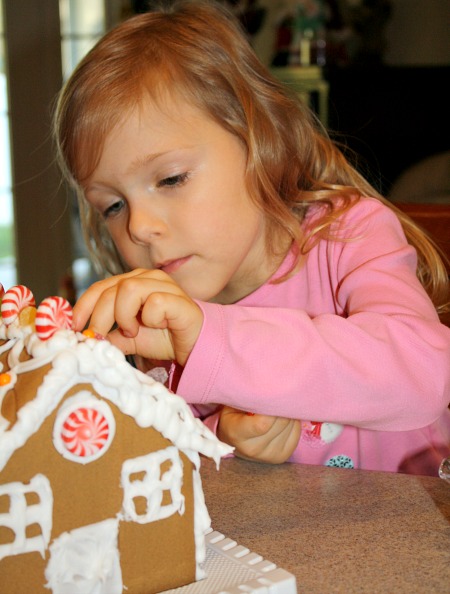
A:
(350, 344)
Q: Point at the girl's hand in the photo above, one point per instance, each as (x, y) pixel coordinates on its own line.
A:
(154, 316)
(259, 437)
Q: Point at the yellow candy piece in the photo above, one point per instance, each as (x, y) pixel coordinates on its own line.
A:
(27, 316)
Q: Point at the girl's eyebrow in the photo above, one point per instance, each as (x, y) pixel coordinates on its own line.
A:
(134, 166)
(145, 160)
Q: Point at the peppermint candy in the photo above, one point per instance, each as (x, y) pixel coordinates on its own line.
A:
(14, 301)
(84, 428)
(53, 314)
(85, 432)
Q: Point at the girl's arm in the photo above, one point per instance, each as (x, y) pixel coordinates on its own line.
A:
(352, 338)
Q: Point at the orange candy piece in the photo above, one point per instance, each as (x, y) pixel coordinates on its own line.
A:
(5, 379)
(91, 334)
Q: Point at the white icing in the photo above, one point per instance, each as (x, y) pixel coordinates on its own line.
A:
(152, 486)
(202, 522)
(87, 448)
(86, 561)
(41, 349)
(22, 514)
(6, 346)
(14, 330)
(75, 360)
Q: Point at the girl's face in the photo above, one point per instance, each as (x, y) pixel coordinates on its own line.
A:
(170, 187)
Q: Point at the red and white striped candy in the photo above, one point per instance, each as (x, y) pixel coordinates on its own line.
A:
(54, 313)
(85, 432)
(14, 301)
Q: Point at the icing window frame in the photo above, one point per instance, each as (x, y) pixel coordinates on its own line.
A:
(23, 514)
(144, 479)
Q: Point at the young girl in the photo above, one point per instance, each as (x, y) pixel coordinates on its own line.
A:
(299, 311)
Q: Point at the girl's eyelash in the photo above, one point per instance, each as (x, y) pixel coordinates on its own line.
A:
(113, 209)
(173, 180)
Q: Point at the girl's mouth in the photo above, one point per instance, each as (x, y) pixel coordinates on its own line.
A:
(172, 265)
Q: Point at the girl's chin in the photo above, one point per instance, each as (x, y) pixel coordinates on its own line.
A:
(200, 293)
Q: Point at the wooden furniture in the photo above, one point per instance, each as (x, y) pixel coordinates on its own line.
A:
(336, 529)
(434, 218)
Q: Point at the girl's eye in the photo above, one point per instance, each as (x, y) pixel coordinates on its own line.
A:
(113, 209)
(173, 180)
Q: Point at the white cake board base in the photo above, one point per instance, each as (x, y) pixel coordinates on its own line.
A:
(234, 569)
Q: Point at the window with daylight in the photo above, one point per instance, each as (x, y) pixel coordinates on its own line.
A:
(7, 257)
(35, 251)
(82, 24)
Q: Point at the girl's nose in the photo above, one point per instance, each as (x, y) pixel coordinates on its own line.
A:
(145, 225)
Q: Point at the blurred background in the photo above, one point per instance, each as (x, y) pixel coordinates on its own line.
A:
(376, 72)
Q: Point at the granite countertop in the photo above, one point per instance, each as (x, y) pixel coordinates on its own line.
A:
(336, 530)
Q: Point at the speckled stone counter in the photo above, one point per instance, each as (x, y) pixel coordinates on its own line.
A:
(336, 530)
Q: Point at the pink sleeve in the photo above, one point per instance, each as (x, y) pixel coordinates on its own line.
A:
(383, 363)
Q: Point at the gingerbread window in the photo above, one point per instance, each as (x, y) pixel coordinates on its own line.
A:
(152, 486)
(26, 524)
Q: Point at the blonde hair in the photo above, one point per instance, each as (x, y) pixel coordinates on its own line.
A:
(199, 50)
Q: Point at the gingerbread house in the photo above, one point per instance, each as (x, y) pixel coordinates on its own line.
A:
(100, 487)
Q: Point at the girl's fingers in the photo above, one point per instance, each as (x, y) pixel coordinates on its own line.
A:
(149, 343)
(154, 317)
(87, 302)
(139, 294)
(100, 315)
(119, 300)
(257, 425)
(181, 317)
(126, 345)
